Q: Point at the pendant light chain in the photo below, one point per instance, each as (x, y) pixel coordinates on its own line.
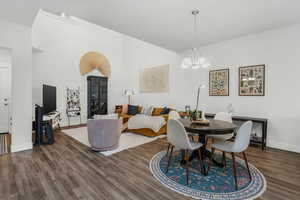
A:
(194, 60)
(195, 26)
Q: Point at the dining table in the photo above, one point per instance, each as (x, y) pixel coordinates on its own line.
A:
(214, 127)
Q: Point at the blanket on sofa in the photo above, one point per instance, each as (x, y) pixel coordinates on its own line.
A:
(145, 121)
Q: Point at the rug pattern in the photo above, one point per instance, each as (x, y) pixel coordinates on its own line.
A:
(219, 184)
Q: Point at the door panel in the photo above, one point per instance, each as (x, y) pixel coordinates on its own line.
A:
(4, 99)
(97, 95)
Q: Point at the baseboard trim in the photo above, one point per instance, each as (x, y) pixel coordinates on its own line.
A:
(284, 146)
(23, 147)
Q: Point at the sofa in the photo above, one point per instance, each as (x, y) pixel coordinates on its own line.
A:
(146, 131)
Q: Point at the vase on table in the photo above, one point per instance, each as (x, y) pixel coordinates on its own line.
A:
(197, 114)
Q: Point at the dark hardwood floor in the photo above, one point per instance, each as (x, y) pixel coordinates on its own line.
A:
(69, 170)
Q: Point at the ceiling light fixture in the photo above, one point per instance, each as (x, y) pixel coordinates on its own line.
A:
(63, 15)
(194, 59)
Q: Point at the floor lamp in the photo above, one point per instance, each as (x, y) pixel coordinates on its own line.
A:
(129, 93)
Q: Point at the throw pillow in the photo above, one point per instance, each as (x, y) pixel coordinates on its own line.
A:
(165, 110)
(149, 111)
(125, 109)
(133, 110)
(157, 111)
(140, 109)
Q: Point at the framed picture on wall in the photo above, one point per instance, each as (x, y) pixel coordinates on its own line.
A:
(219, 82)
(252, 80)
(154, 79)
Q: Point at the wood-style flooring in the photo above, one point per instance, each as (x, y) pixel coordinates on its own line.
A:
(69, 170)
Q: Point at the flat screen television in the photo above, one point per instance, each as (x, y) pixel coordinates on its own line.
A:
(49, 99)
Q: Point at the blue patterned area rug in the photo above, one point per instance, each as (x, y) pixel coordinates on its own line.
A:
(217, 185)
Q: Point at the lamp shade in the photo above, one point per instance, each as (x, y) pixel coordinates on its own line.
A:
(129, 92)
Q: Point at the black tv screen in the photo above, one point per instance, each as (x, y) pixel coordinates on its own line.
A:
(49, 99)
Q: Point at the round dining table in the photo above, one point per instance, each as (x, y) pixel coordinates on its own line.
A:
(215, 127)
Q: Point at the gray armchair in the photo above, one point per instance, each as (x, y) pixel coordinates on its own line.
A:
(104, 134)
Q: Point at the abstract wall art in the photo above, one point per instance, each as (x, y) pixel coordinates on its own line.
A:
(154, 79)
(73, 107)
(252, 80)
(219, 82)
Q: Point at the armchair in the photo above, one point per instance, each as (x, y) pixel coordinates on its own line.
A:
(104, 134)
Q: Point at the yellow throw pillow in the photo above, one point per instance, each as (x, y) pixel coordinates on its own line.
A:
(157, 111)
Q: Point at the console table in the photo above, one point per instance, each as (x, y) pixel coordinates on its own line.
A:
(264, 122)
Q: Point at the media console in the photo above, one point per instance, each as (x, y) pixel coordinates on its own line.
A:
(254, 140)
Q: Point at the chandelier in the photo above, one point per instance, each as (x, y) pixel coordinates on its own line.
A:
(194, 59)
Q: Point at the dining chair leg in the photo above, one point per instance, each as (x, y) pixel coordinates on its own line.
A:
(168, 149)
(192, 138)
(212, 140)
(170, 156)
(234, 171)
(246, 161)
(206, 141)
(224, 158)
(187, 166)
(202, 167)
(211, 159)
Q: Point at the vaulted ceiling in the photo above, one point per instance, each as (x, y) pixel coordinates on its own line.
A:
(167, 23)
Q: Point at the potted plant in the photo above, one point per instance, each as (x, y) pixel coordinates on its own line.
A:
(196, 115)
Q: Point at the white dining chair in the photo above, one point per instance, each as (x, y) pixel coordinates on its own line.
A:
(239, 145)
(222, 116)
(178, 138)
(175, 115)
(172, 115)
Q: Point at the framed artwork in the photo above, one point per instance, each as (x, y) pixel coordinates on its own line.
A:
(219, 82)
(154, 79)
(73, 102)
(252, 80)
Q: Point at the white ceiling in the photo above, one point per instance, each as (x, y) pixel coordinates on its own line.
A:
(166, 23)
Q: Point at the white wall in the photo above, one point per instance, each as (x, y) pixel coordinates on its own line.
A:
(140, 55)
(64, 42)
(279, 51)
(18, 39)
(58, 63)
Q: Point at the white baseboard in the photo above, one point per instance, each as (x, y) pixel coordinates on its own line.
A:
(284, 146)
(23, 147)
